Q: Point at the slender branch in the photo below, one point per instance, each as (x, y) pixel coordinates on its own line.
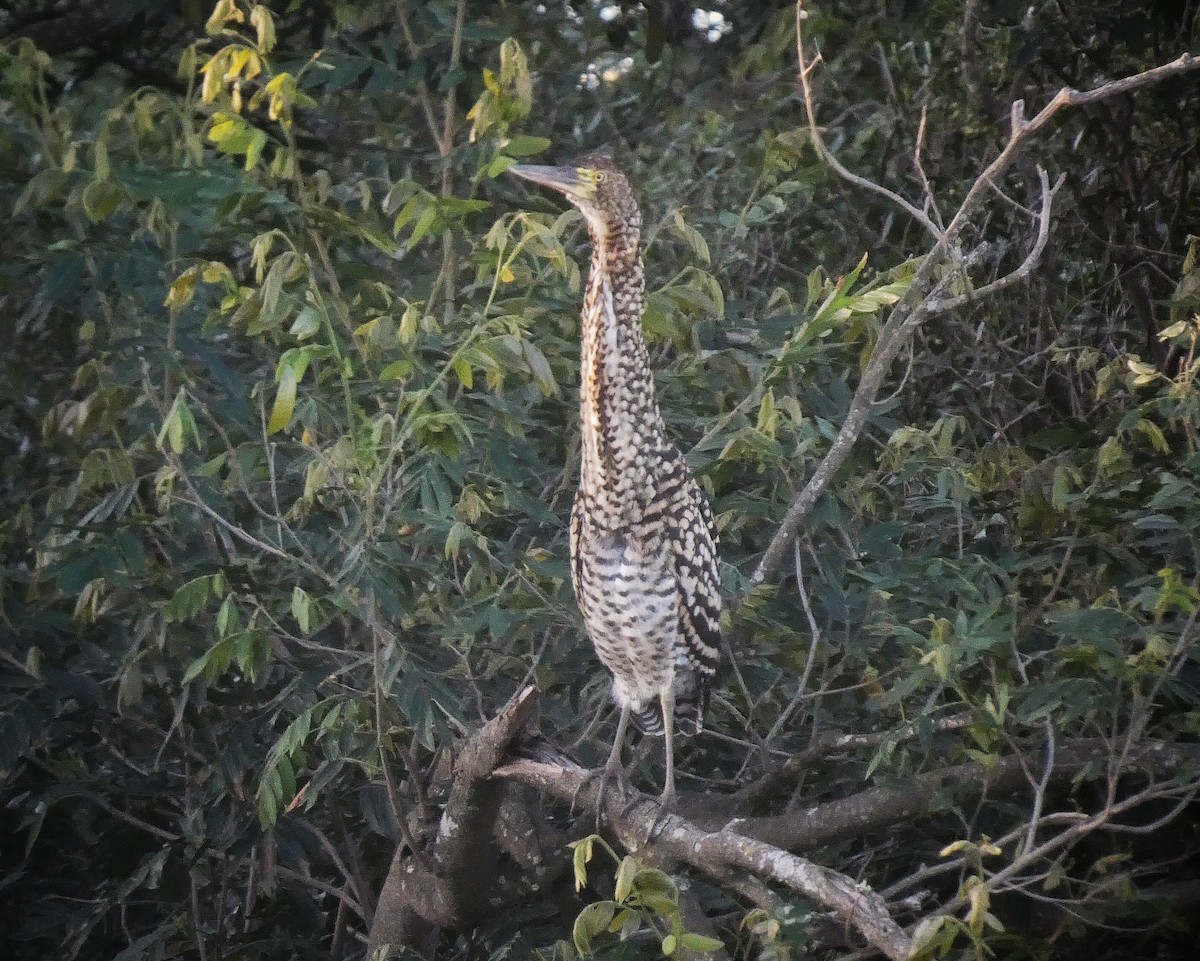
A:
(399, 811)
(922, 300)
(414, 55)
(880, 807)
(806, 69)
(323, 886)
(1027, 265)
(814, 632)
(99, 801)
(197, 922)
(1039, 792)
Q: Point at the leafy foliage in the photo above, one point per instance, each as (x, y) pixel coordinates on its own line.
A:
(642, 897)
(287, 451)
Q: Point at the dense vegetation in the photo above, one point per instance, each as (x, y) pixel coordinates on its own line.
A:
(288, 446)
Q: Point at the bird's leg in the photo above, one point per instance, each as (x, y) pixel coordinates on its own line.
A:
(613, 769)
(667, 800)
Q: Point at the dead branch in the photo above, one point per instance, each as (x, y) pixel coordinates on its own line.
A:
(922, 299)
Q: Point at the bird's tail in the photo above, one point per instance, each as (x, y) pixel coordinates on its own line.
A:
(648, 719)
(689, 717)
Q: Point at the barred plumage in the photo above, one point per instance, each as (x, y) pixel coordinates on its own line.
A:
(643, 541)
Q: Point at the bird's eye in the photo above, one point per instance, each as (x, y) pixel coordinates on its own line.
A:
(600, 176)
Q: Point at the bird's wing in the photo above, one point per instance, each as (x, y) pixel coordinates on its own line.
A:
(693, 537)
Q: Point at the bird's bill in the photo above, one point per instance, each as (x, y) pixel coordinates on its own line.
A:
(566, 180)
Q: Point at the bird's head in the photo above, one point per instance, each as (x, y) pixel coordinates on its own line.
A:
(601, 193)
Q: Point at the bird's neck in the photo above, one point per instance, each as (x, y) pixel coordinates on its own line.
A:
(621, 424)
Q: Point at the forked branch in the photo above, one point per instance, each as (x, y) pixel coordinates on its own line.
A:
(924, 296)
(721, 853)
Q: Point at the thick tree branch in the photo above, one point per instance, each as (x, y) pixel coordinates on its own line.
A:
(719, 853)
(415, 899)
(878, 808)
(764, 848)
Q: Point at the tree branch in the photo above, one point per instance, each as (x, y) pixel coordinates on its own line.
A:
(414, 899)
(718, 853)
(921, 301)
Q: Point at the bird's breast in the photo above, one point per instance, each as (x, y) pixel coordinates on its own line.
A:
(630, 602)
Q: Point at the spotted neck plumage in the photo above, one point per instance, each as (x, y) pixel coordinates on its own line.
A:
(621, 425)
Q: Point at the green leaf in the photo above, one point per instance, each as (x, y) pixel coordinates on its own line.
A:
(307, 323)
(423, 226)
(539, 367)
(302, 609)
(172, 429)
(254, 149)
(129, 690)
(227, 618)
(268, 803)
(397, 370)
(188, 599)
(499, 164)
(926, 934)
(592, 922)
(690, 941)
(526, 146)
(626, 872)
(212, 663)
(100, 199)
(458, 532)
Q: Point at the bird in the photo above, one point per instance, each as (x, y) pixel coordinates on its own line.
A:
(644, 563)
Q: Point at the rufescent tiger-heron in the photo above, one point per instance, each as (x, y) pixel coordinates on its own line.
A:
(643, 541)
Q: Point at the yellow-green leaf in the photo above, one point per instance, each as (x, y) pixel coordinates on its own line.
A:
(583, 854)
(285, 400)
(1154, 434)
(462, 369)
(691, 941)
(499, 164)
(264, 28)
(100, 199)
(423, 226)
(182, 289)
(626, 872)
(525, 146)
(302, 609)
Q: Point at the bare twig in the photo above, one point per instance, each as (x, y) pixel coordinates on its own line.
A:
(1019, 273)
(923, 299)
(806, 69)
(423, 96)
(810, 660)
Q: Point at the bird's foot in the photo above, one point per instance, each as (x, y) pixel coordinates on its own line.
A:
(610, 774)
(668, 804)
